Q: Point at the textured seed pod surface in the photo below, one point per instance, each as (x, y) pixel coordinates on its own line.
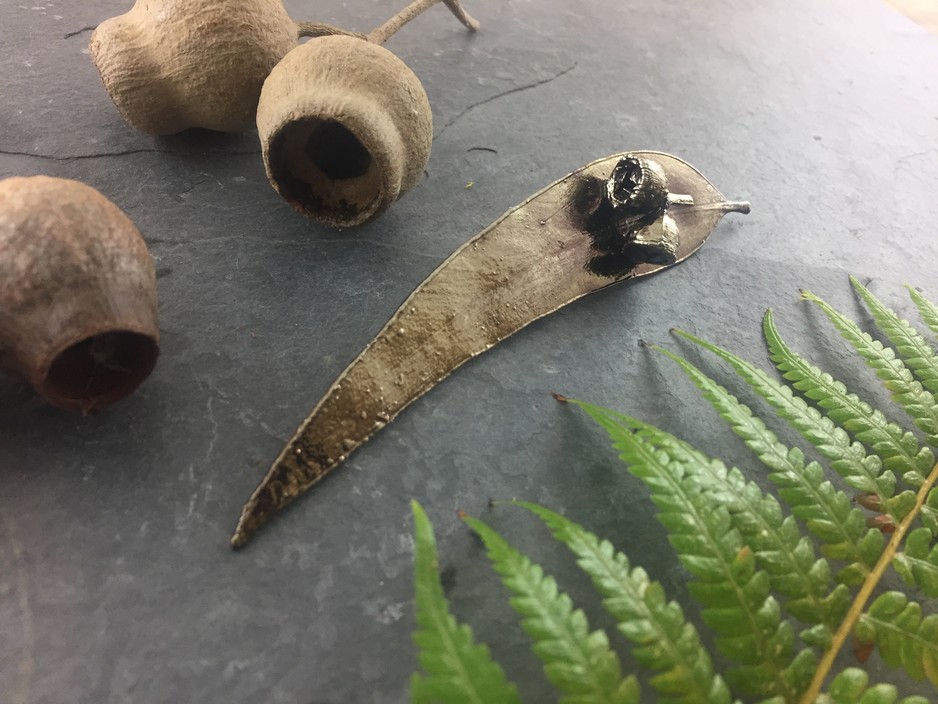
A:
(345, 127)
(171, 65)
(78, 307)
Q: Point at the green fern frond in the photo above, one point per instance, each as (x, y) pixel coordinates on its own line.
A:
(927, 309)
(666, 642)
(912, 348)
(918, 562)
(852, 687)
(733, 592)
(850, 530)
(787, 556)
(740, 547)
(578, 662)
(905, 390)
(458, 670)
(903, 637)
(848, 458)
(898, 448)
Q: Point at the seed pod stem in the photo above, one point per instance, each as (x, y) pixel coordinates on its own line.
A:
(318, 29)
(389, 28)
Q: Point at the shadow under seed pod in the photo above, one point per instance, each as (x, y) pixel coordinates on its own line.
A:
(78, 304)
(345, 128)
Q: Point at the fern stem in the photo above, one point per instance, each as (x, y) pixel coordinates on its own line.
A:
(856, 609)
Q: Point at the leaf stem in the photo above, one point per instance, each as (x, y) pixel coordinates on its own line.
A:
(856, 609)
(389, 28)
(729, 206)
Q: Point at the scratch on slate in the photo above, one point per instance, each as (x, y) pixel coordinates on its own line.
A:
(27, 666)
(902, 163)
(214, 439)
(88, 28)
(77, 157)
(517, 89)
(127, 152)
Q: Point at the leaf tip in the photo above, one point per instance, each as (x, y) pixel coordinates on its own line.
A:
(560, 398)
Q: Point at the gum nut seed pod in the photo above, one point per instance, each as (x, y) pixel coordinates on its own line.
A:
(345, 128)
(78, 302)
(638, 191)
(169, 66)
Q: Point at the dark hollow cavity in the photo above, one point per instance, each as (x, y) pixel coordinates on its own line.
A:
(337, 152)
(103, 368)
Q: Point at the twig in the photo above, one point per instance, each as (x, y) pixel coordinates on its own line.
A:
(389, 28)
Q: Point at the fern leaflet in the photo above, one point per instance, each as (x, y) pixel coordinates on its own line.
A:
(850, 535)
(849, 459)
(918, 562)
(733, 592)
(852, 687)
(786, 556)
(927, 309)
(905, 639)
(578, 662)
(908, 393)
(917, 354)
(898, 448)
(666, 642)
(458, 670)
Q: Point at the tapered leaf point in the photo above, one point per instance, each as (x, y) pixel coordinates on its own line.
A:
(416, 510)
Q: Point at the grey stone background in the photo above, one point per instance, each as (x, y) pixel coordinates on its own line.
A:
(116, 580)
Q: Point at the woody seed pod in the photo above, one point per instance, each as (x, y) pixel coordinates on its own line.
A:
(345, 128)
(77, 294)
(169, 66)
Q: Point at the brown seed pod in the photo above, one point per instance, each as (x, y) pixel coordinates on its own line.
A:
(169, 66)
(77, 294)
(345, 128)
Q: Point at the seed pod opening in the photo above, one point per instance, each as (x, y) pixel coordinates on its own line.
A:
(345, 128)
(78, 318)
(171, 66)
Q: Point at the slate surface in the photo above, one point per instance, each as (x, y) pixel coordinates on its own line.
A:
(116, 580)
